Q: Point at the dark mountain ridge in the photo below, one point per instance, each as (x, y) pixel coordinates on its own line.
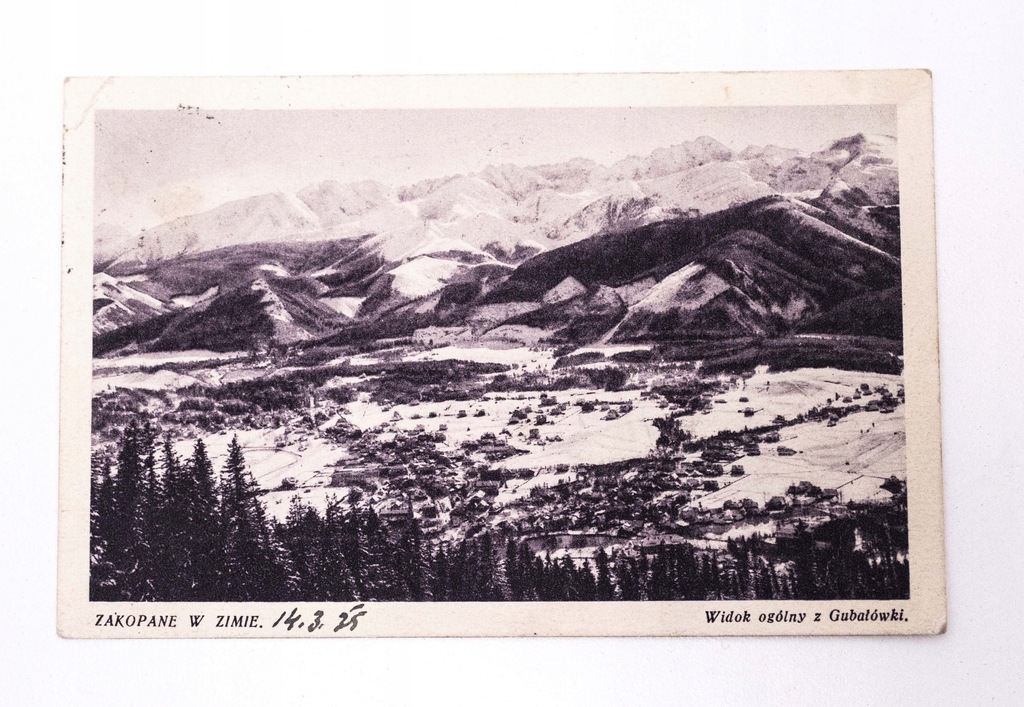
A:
(616, 259)
(768, 267)
(761, 268)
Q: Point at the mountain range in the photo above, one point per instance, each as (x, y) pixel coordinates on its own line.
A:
(693, 240)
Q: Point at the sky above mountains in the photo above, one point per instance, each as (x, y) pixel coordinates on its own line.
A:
(154, 166)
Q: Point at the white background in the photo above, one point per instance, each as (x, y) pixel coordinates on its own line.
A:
(974, 50)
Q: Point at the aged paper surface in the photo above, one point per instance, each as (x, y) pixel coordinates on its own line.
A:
(500, 355)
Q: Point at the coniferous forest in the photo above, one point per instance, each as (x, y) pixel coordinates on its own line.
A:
(166, 528)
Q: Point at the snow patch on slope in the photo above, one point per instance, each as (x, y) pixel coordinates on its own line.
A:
(125, 304)
(285, 328)
(185, 301)
(565, 290)
(109, 287)
(346, 306)
(422, 276)
(688, 288)
(273, 269)
(709, 188)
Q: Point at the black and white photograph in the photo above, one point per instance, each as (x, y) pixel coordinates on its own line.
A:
(579, 353)
(501, 354)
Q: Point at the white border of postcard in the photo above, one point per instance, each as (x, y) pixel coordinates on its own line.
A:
(909, 90)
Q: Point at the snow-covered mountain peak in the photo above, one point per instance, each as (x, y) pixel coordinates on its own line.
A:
(264, 217)
(336, 203)
(675, 158)
(513, 180)
(462, 197)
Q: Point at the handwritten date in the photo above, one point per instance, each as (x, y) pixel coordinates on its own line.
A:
(293, 620)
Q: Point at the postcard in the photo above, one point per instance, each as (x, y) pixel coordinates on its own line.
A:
(530, 355)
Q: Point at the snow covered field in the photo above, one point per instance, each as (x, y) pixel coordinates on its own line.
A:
(167, 379)
(610, 350)
(307, 460)
(160, 358)
(521, 355)
(162, 379)
(786, 393)
(586, 438)
(517, 489)
(854, 457)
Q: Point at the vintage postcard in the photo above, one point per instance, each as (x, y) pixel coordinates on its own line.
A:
(558, 355)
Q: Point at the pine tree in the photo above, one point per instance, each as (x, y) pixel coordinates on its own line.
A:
(253, 568)
(206, 531)
(626, 577)
(659, 586)
(551, 586)
(169, 519)
(440, 586)
(485, 585)
(333, 579)
(707, 576)
(529, 578)
(381, 579)
(806, 567)
(300, 537)
(102, 571)
(586, 583)
(642, 577)
(513, 571)
(413, 565)
(125, 541)
(150, 574)
(567, 579)
(458, 573)
(717, 581)
(605, 591)
(354, 551)
(773, 579)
